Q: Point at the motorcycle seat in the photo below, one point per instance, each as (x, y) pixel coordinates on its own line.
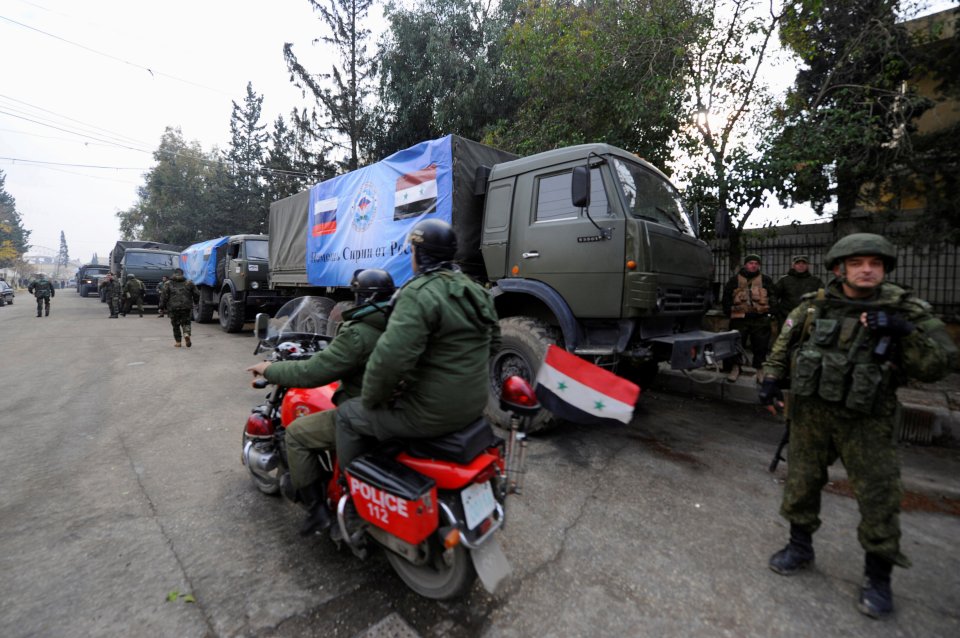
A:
(460, 447)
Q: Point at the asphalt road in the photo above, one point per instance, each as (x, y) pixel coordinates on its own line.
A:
(122, 487)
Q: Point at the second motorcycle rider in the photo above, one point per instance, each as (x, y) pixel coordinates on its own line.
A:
(343, 360)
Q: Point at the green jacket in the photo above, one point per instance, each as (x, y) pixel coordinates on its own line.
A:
(790, 288)
(834, 356)
(179, 294)
(134, 288)
(343, 360)
(41, 288)
(436, 349)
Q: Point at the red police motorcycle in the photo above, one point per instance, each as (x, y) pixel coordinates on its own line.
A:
(432, 504)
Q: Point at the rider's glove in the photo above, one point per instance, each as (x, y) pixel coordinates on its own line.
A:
(770, 392)
(884, 323)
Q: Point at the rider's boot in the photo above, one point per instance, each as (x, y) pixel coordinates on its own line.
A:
(876, 597)
(318, 516)
(797, 555)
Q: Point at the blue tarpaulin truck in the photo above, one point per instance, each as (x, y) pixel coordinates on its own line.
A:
(588, 247)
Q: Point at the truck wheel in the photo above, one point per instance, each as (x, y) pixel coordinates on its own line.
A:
(316, 316)
(82, 290)
(524, 342)
(203, 311)
(231, 313)
(336, 317)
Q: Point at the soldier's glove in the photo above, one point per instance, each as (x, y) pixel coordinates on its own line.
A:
(884, 323)
(770, 393)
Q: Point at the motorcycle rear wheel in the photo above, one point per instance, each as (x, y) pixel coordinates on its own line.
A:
(433, 582)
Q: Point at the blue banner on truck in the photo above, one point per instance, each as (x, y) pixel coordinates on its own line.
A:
(361, 219)
(199, 261)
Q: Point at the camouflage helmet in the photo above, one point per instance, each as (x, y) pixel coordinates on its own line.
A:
(862, 244)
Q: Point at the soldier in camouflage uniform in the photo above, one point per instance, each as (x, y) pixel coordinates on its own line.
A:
(747, 300)
(109, 286)
(344, 360)
(43, 290)
(845, 350)
(178, 297)
(791, 287)
(133, 294)
(163, 282)
(442, 332)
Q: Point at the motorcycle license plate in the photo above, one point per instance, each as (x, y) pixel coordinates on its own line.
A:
(478, 503)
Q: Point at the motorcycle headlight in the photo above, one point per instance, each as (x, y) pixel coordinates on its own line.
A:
(254, 284)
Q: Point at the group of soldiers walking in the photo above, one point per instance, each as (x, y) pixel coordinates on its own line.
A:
(177, 296)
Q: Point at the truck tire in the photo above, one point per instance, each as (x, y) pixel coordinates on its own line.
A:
(203, 311)
(524, 342)
(82, 290)
(231, 313)
(336, 317)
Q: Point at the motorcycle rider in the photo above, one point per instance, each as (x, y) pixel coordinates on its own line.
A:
(441, 334)
(343, 360)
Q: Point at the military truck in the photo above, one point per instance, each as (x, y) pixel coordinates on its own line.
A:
(587, 247)
(88, 278)
(148, 260)
(232, 275)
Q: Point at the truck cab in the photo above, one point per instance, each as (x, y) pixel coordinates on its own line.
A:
(149, 266)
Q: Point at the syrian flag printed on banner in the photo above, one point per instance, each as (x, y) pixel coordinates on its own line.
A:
(416, 193)
(578, 391)
(324, 217)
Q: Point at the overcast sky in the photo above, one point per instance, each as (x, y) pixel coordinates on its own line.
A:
(93, 83)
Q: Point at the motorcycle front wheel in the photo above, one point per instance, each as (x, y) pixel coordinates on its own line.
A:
(437, 580)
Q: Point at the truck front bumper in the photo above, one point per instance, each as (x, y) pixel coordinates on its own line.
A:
(696, 349)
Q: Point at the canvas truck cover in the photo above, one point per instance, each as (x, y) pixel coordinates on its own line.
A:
(199, 261)
(361, 219)
(116, 255)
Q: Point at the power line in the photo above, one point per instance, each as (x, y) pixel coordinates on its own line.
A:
(119, 168)
(113, 57)
(114, 134)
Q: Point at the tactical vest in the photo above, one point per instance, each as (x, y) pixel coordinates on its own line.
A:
(750, 298)
(835, 361)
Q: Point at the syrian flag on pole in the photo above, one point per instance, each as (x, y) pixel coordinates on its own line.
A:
(416, 193)
(578, 391)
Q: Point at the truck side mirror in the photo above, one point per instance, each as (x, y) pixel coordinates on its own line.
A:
(580, 187)
(260, 325)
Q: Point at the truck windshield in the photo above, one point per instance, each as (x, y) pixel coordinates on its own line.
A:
(100, 270)
(649, 196)
(257, 249)
(149, 260)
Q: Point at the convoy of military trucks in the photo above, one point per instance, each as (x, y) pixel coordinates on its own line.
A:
(587, 247)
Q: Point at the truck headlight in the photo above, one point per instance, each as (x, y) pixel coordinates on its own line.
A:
(254, 284)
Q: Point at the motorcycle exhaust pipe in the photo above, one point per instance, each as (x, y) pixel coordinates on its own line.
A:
(260, 463)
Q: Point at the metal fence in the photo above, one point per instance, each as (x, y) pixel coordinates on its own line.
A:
(930, 270)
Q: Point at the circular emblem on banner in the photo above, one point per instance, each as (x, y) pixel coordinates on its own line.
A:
(364, 207)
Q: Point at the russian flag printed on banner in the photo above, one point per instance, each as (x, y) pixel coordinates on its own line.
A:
(324, 217)
(416, 193)
(578, 391)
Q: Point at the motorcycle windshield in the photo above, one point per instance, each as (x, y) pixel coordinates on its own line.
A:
(299, 318)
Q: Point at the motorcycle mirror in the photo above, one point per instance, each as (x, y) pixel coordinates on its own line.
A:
(261, 324)
(517, 396)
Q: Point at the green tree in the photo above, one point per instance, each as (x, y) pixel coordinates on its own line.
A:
(290, 165)
(343, 95)
(14, 237)
(848, 112)
(728, 167)
(63, 256)
(245, 202)
(441, 71)
(599, 70)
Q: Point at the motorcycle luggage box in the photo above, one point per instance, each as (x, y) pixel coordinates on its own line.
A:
(394, 497)
(460, 447)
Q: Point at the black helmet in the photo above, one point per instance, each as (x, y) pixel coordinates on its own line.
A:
(434, 238)
(372, 284)
(860, 245)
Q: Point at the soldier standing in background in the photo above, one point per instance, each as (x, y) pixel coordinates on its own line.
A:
(44, 290)
(163, 282)
(747, 301)
(791, 287)
(846, 350)
(133, 293)
(178, 296)
(108, 284)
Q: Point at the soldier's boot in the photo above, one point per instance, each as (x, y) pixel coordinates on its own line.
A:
(876, 597)
(797, 555)
(176, 344)
(186, 340)
(734, 373)
(287, 488)
(318, 516)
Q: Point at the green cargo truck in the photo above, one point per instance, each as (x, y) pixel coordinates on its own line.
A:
(148, 260)
(587, 247)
